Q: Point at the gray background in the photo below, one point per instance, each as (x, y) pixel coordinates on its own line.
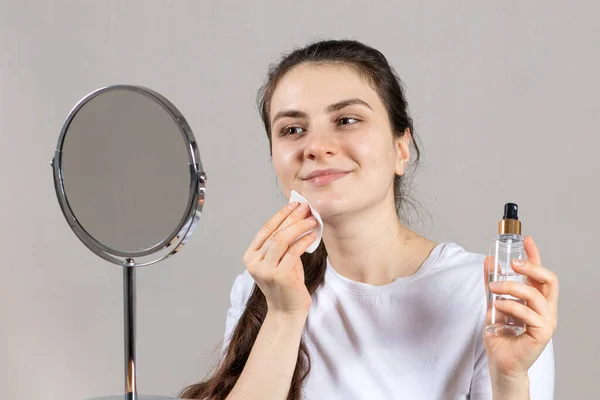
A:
(504, 96)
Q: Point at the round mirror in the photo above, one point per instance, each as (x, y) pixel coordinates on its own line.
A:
(128, 175)
(130, 183)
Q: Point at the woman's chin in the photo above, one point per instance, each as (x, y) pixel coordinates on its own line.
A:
(327, 202)
(328, 209)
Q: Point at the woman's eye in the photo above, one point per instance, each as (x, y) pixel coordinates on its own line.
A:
(347, 120)
(290, 130)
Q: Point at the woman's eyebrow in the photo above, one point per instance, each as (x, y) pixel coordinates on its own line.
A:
(289, 113)
(329, 109)
(345, 103)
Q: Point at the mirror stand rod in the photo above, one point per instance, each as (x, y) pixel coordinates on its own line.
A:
(129, 314)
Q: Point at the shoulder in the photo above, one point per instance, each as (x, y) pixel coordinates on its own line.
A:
(452, 261)
(464, 271)
(454, 255)
(456, 276)
(240, 292)
(241, 289)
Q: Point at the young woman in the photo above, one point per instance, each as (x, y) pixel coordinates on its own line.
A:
(377, 311)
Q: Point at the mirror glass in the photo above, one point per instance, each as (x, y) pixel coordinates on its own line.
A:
(126, 171)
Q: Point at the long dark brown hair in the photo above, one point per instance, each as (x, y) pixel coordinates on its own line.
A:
(373, 66)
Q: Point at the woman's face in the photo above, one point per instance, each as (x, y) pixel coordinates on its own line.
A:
(332, 140)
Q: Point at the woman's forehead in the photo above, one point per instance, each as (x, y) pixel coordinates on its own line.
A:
(311, 88)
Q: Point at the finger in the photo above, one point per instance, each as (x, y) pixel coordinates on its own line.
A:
(285, 238)
(541, 278)
(290, 258)
(299, 213)
(272, 224)
(535, 300)
(533, 253)
(521, 311)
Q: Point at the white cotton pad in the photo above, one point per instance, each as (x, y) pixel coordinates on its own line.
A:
(295, 196)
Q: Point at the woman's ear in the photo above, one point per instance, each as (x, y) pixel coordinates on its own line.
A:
(402, 146)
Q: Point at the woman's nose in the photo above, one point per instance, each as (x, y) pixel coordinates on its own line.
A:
(320, 144)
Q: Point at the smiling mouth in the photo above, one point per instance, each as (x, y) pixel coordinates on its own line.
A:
(322, 180)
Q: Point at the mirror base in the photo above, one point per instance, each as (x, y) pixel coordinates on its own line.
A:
(138, 397)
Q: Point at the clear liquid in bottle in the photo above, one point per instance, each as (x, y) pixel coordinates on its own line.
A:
(507, 247)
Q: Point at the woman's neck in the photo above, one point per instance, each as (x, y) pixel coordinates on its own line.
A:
(374, 247)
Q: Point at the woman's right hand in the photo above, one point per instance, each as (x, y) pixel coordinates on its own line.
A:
(273, 260)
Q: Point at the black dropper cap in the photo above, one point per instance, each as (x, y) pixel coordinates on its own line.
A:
(511, 211)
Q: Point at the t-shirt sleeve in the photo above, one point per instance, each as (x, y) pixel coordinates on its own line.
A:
(240, 292)
(481, 385)
(541, 376)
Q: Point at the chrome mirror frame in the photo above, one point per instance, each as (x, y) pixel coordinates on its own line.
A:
(174, 242)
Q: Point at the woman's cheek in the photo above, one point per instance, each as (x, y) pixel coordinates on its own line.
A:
(284, 163)
(364, 150)
(373, 152)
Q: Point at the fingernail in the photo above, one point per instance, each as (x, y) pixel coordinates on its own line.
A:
(303, 207)
(494, 285)
(293, 205)
(518, 263)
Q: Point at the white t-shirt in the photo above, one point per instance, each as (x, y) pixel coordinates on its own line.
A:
(418, 337)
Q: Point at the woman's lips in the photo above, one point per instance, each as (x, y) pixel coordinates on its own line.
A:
(326, 179)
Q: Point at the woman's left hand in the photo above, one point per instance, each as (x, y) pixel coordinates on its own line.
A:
(510, 357)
